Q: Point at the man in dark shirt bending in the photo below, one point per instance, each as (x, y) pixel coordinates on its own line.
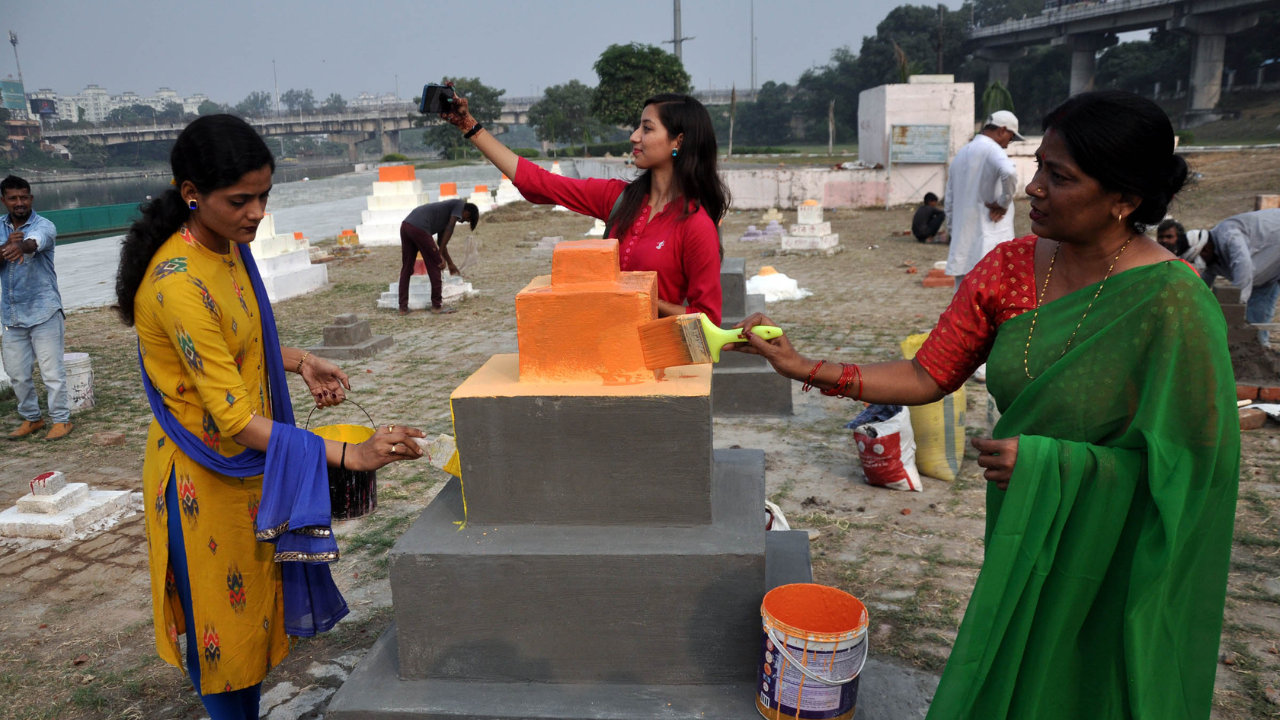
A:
(437, 218)
(928, 218)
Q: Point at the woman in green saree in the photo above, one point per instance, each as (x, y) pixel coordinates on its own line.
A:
(1114, 468)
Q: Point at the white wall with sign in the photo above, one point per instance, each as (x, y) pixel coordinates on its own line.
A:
(921, 109)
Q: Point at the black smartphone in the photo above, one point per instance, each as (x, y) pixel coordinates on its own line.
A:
(436, 99)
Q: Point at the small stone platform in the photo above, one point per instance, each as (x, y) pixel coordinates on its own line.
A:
(349, 338)
(56, 509)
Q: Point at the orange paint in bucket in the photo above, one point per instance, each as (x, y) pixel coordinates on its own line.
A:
(813, 648)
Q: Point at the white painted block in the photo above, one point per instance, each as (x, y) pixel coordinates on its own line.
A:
(816, 229)
(809, 214)
(69, 495)
(395, 202)
(266, 228)
(384, 217)
(379, 235)
(296, 282)
(400, 187)
(48, 483)
(99, 505)
(825, 242)
(286, 263)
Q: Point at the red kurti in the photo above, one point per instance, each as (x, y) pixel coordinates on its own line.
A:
(684, 252)
(1000, 287)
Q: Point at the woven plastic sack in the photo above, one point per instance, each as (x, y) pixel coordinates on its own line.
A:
(887, 450)
(938, 426)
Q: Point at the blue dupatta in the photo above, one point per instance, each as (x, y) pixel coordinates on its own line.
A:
(294, 512)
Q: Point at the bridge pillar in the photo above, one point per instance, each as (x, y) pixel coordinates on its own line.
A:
(1208, 49)
(998, 60)
(390, 141)
(1084, 55)
(350, 138)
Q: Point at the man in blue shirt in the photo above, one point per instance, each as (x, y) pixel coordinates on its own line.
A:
(31, 311)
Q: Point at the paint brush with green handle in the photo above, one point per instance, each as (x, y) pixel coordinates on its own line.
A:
(690, 340)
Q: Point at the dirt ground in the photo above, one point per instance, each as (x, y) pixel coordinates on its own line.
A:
(75, 621)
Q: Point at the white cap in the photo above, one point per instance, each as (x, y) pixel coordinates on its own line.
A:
(1007, 120)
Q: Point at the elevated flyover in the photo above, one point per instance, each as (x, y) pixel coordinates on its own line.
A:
(1084, 27)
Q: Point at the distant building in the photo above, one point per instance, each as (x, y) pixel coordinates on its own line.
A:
(368, 100)
(94, 100)
(98, 103)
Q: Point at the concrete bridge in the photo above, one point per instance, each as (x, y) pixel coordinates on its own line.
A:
(1085, 26)
(350, 128)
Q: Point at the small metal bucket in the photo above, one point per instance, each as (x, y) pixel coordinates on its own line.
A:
(352, 493)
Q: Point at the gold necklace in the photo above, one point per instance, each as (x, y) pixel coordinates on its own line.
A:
(1040, 300)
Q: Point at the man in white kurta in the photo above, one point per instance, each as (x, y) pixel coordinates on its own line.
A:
(981, 182)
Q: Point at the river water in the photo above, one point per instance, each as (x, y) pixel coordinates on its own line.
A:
(65, 195)
(319, 208)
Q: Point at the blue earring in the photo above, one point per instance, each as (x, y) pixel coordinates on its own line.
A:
(675, 152)
(192, 205)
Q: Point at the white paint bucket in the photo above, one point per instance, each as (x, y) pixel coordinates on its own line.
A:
(79, 374)
(812, 652)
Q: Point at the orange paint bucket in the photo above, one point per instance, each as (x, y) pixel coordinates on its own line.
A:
(812, 651)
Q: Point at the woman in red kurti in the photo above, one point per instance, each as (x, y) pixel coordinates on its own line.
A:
(665, 220)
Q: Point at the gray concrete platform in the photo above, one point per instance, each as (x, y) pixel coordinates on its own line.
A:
(556, 458)
(585, 603)
(374, 692)
(750, 390)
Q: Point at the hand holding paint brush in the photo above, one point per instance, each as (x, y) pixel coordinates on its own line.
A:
(690, 340)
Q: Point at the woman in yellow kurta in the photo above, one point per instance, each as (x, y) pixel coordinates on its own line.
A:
(183, 282)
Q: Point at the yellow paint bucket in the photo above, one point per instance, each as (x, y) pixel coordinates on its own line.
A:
(352, 493)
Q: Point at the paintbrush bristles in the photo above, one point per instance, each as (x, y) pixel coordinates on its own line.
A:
(672, 341)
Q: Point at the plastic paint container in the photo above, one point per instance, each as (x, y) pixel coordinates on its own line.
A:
(79, 379)
(352, 493)
(812, 651)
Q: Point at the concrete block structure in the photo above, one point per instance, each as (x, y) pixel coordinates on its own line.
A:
(745, 384)
(455, 290)
(596, 559)
(284, 261)
(810, 233)
(56, 509)
(350, 338)
(920, 102)
(394, 195)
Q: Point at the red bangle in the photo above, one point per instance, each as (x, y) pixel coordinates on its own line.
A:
(859, 397)
(846, 376)
(808, 384)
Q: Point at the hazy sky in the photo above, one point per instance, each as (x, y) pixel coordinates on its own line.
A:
(224, 48)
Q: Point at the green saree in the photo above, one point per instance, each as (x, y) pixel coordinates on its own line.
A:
(1102, 589)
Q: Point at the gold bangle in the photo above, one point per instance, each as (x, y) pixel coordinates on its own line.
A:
(302, 360)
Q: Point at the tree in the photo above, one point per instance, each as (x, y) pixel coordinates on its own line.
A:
(1040, 82)
(994, 12)
(1137, 66)
(333, 104)
(131, 115)
(483, 102)
(298, 101)
(255, 104)
(171, 114)
(911, 38)
(209, 107)
(564, 114)
(629, 74)
(767, 121)
(85, 154)
(995, 98)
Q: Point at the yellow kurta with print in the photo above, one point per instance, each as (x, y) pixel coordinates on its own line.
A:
(201, 336)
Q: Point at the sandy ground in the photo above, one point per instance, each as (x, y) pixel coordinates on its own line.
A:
(75, 623)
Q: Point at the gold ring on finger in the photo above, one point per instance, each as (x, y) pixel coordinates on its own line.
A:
(392, 428)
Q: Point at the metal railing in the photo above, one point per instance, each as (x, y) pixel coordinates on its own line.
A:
(1066, 13)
